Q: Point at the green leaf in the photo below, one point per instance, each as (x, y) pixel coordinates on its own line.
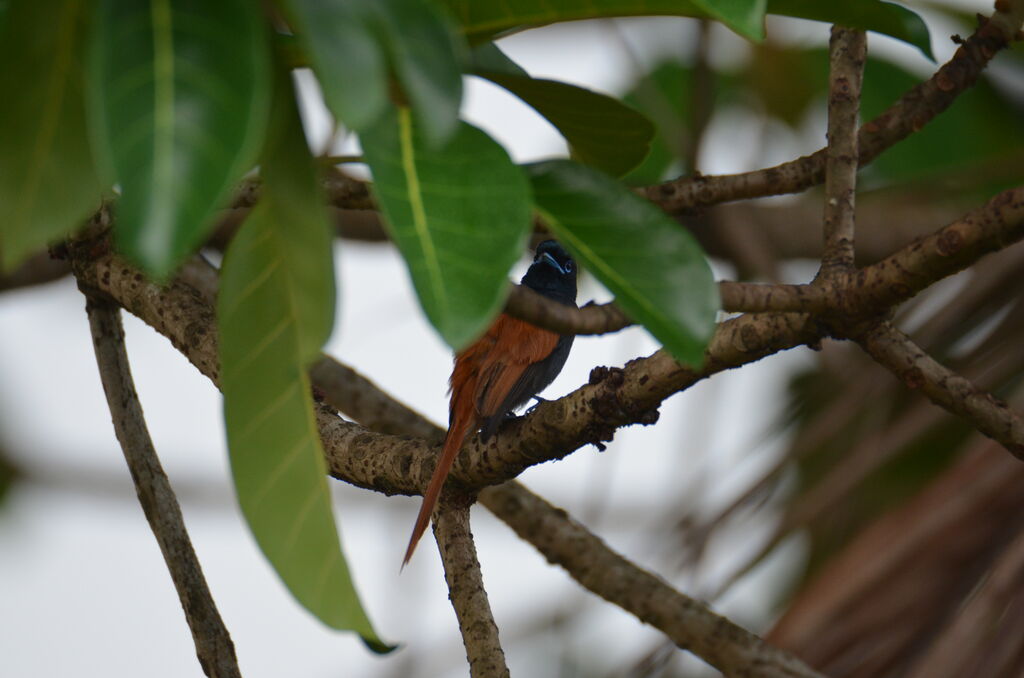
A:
(482, 20)
(275, 311)
(601, 131)
(489, 57)
(460, 215)
(48, 181)
(654, 267)
(179, 100)
(355, 45)
(746, 17)
(869, 15)
(664, 95)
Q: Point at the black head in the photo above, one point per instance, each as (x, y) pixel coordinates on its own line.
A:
(553, 273)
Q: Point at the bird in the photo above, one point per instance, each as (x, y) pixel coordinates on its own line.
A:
(502, 370)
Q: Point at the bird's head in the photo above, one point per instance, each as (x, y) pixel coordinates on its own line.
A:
(553, 273)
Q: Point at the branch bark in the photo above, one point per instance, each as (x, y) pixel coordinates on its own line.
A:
(614, 397)
(915, 368)
(691, 625)
(847, 53)
(184, 316)
(466, 591)
(214, 648)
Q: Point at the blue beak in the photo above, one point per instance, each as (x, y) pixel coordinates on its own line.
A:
(546, 257)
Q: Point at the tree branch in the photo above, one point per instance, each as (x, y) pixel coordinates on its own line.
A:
(214, 647)
(910, 113)
(690, 624)
(995, 225)
(35, 270)
(590, 415)
(873, 289)
(915, 368)
(466, 590)
(388, 464)
(847, 53)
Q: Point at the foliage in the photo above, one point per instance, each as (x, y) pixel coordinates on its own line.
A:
(170, 104)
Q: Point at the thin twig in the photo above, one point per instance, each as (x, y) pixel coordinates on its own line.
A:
(214, 647)
(895, 350)
(847, 53)
(466, 591)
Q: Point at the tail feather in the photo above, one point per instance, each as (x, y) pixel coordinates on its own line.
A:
(457, 432)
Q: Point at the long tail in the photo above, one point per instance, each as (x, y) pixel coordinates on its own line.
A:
(460, 426)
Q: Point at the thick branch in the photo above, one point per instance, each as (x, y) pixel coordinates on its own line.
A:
(689, 622)
(912, 112)
(467, 593)
(214, 647)
(847, 53)
(389, 464)
(590, 415)
(995, 225)
(873, 289)
(35, 270)
(691, 625)
(894, 350)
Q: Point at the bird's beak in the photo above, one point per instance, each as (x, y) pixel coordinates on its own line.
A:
(554, 262)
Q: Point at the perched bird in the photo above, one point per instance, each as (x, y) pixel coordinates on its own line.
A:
(499, 372)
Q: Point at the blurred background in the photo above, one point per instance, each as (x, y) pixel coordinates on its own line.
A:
(809, 496)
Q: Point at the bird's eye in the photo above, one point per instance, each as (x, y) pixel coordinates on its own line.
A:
(568, 266)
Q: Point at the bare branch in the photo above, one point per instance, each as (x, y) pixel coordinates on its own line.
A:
(526, 304)
(918, 370)
(214, 647)
(35, 270)
(689, 623)
(847, 53)
(390, 465)
(590, 415)
(466, 591)
(998, 223)
(912, 112)
(367, 403)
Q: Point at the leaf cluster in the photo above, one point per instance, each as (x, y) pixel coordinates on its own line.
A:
(164, 107)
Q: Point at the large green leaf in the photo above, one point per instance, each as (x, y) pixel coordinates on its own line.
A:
(601, 131)
(460, 215)
(664, 96)
(48, 182)
(870, 15)
(746, 17)
(179, 98)
(356, 45)
(656, 269)
(275, 311)
(482, 20)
